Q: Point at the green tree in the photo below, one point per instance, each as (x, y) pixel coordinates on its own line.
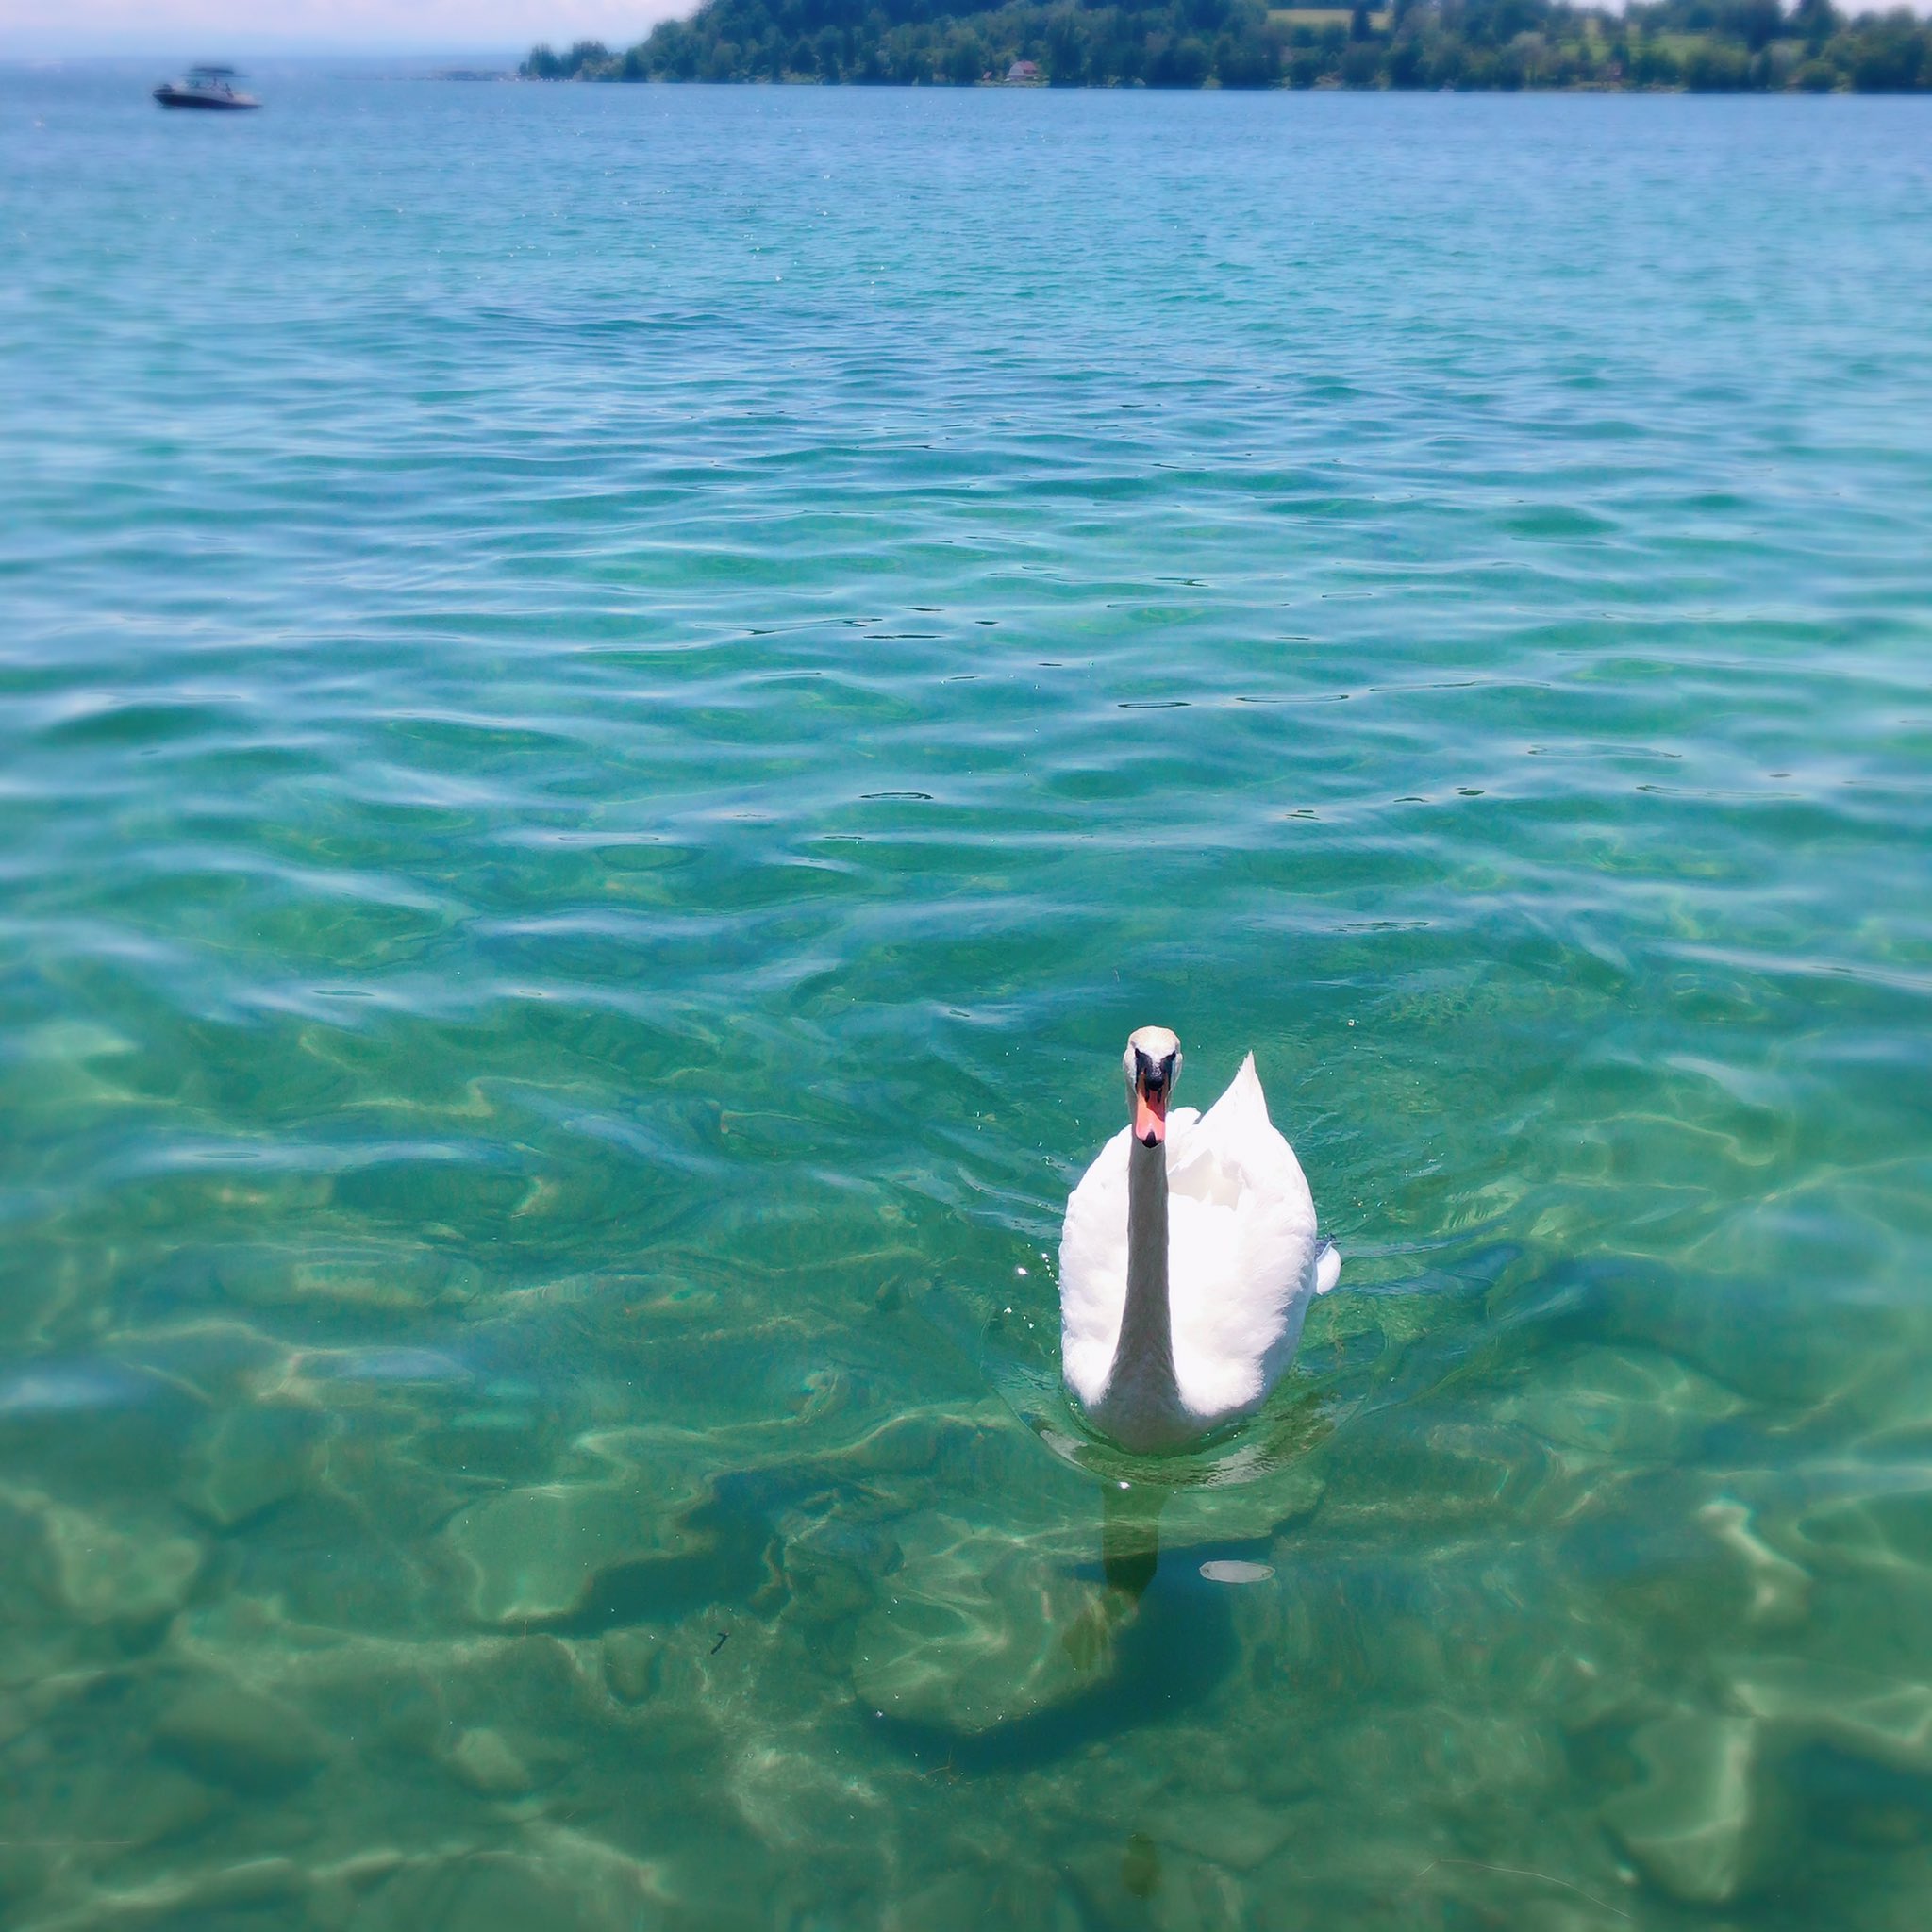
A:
(1757, 23)
(1180, 62)
(965, 58)
(1066, 52)
(1714, 67)
(1248, 60)
(1814, 22)
(1890, 56)
(1464, 43)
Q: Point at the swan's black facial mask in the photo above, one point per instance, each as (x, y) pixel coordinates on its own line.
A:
(1153, 1086)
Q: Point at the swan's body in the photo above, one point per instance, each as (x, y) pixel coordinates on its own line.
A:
(1187, 1260)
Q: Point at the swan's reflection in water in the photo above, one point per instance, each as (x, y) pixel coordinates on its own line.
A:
(1130, 1546)
(1092, 1649)
(1130, 1536)
(1129, 1557)
(1140, 1636)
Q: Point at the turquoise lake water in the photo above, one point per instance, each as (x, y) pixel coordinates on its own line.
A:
(612, 701)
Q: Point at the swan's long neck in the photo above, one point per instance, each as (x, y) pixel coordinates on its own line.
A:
(1143, 1357)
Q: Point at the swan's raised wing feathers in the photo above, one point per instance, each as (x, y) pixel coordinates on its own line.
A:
(1328, 1267)
(1241, 1251)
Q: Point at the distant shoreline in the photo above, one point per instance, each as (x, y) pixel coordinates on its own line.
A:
(1666, 90)
(1541, 46)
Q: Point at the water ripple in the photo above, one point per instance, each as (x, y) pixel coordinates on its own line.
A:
(611, 700)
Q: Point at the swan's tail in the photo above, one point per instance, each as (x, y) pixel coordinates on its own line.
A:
(1328, 1267)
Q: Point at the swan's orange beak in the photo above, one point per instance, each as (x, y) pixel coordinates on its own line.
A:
(1153, 1064)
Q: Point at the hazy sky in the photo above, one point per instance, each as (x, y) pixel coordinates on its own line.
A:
(203, 29)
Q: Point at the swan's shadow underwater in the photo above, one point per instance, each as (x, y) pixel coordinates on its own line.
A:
(1169, 1635)
(1159, 1632)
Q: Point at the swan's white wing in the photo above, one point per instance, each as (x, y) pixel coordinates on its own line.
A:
(1094, 1263)
(1241, 1251)
(1328, 1267)
(1093, 1270)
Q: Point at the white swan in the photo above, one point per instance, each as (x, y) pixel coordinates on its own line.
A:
(1188, 1259)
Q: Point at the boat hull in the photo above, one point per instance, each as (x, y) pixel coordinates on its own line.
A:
(213, 104)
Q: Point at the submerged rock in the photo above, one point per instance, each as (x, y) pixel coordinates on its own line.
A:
(1226, 1829)
(257, 1456)
(94, 1570)
(25, 1872)
(1696, 1825)
(633, 1664)
(536, 1553)
(486, 1761)
(834, 1567)
(546, 1877)
(1883, 1720)
(1630, 1404)
(237, 1736)
(983, 1626)
(1780, 1589)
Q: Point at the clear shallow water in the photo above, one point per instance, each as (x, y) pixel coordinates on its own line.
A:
(614, 700)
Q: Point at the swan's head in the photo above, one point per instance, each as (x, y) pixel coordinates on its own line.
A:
(1153, 1063)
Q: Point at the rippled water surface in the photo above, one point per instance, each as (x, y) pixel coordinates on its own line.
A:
(611, 701)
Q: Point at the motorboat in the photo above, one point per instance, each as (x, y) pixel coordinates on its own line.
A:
(206, 87)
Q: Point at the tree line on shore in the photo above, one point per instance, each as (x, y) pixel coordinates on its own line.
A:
(1704, 45)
